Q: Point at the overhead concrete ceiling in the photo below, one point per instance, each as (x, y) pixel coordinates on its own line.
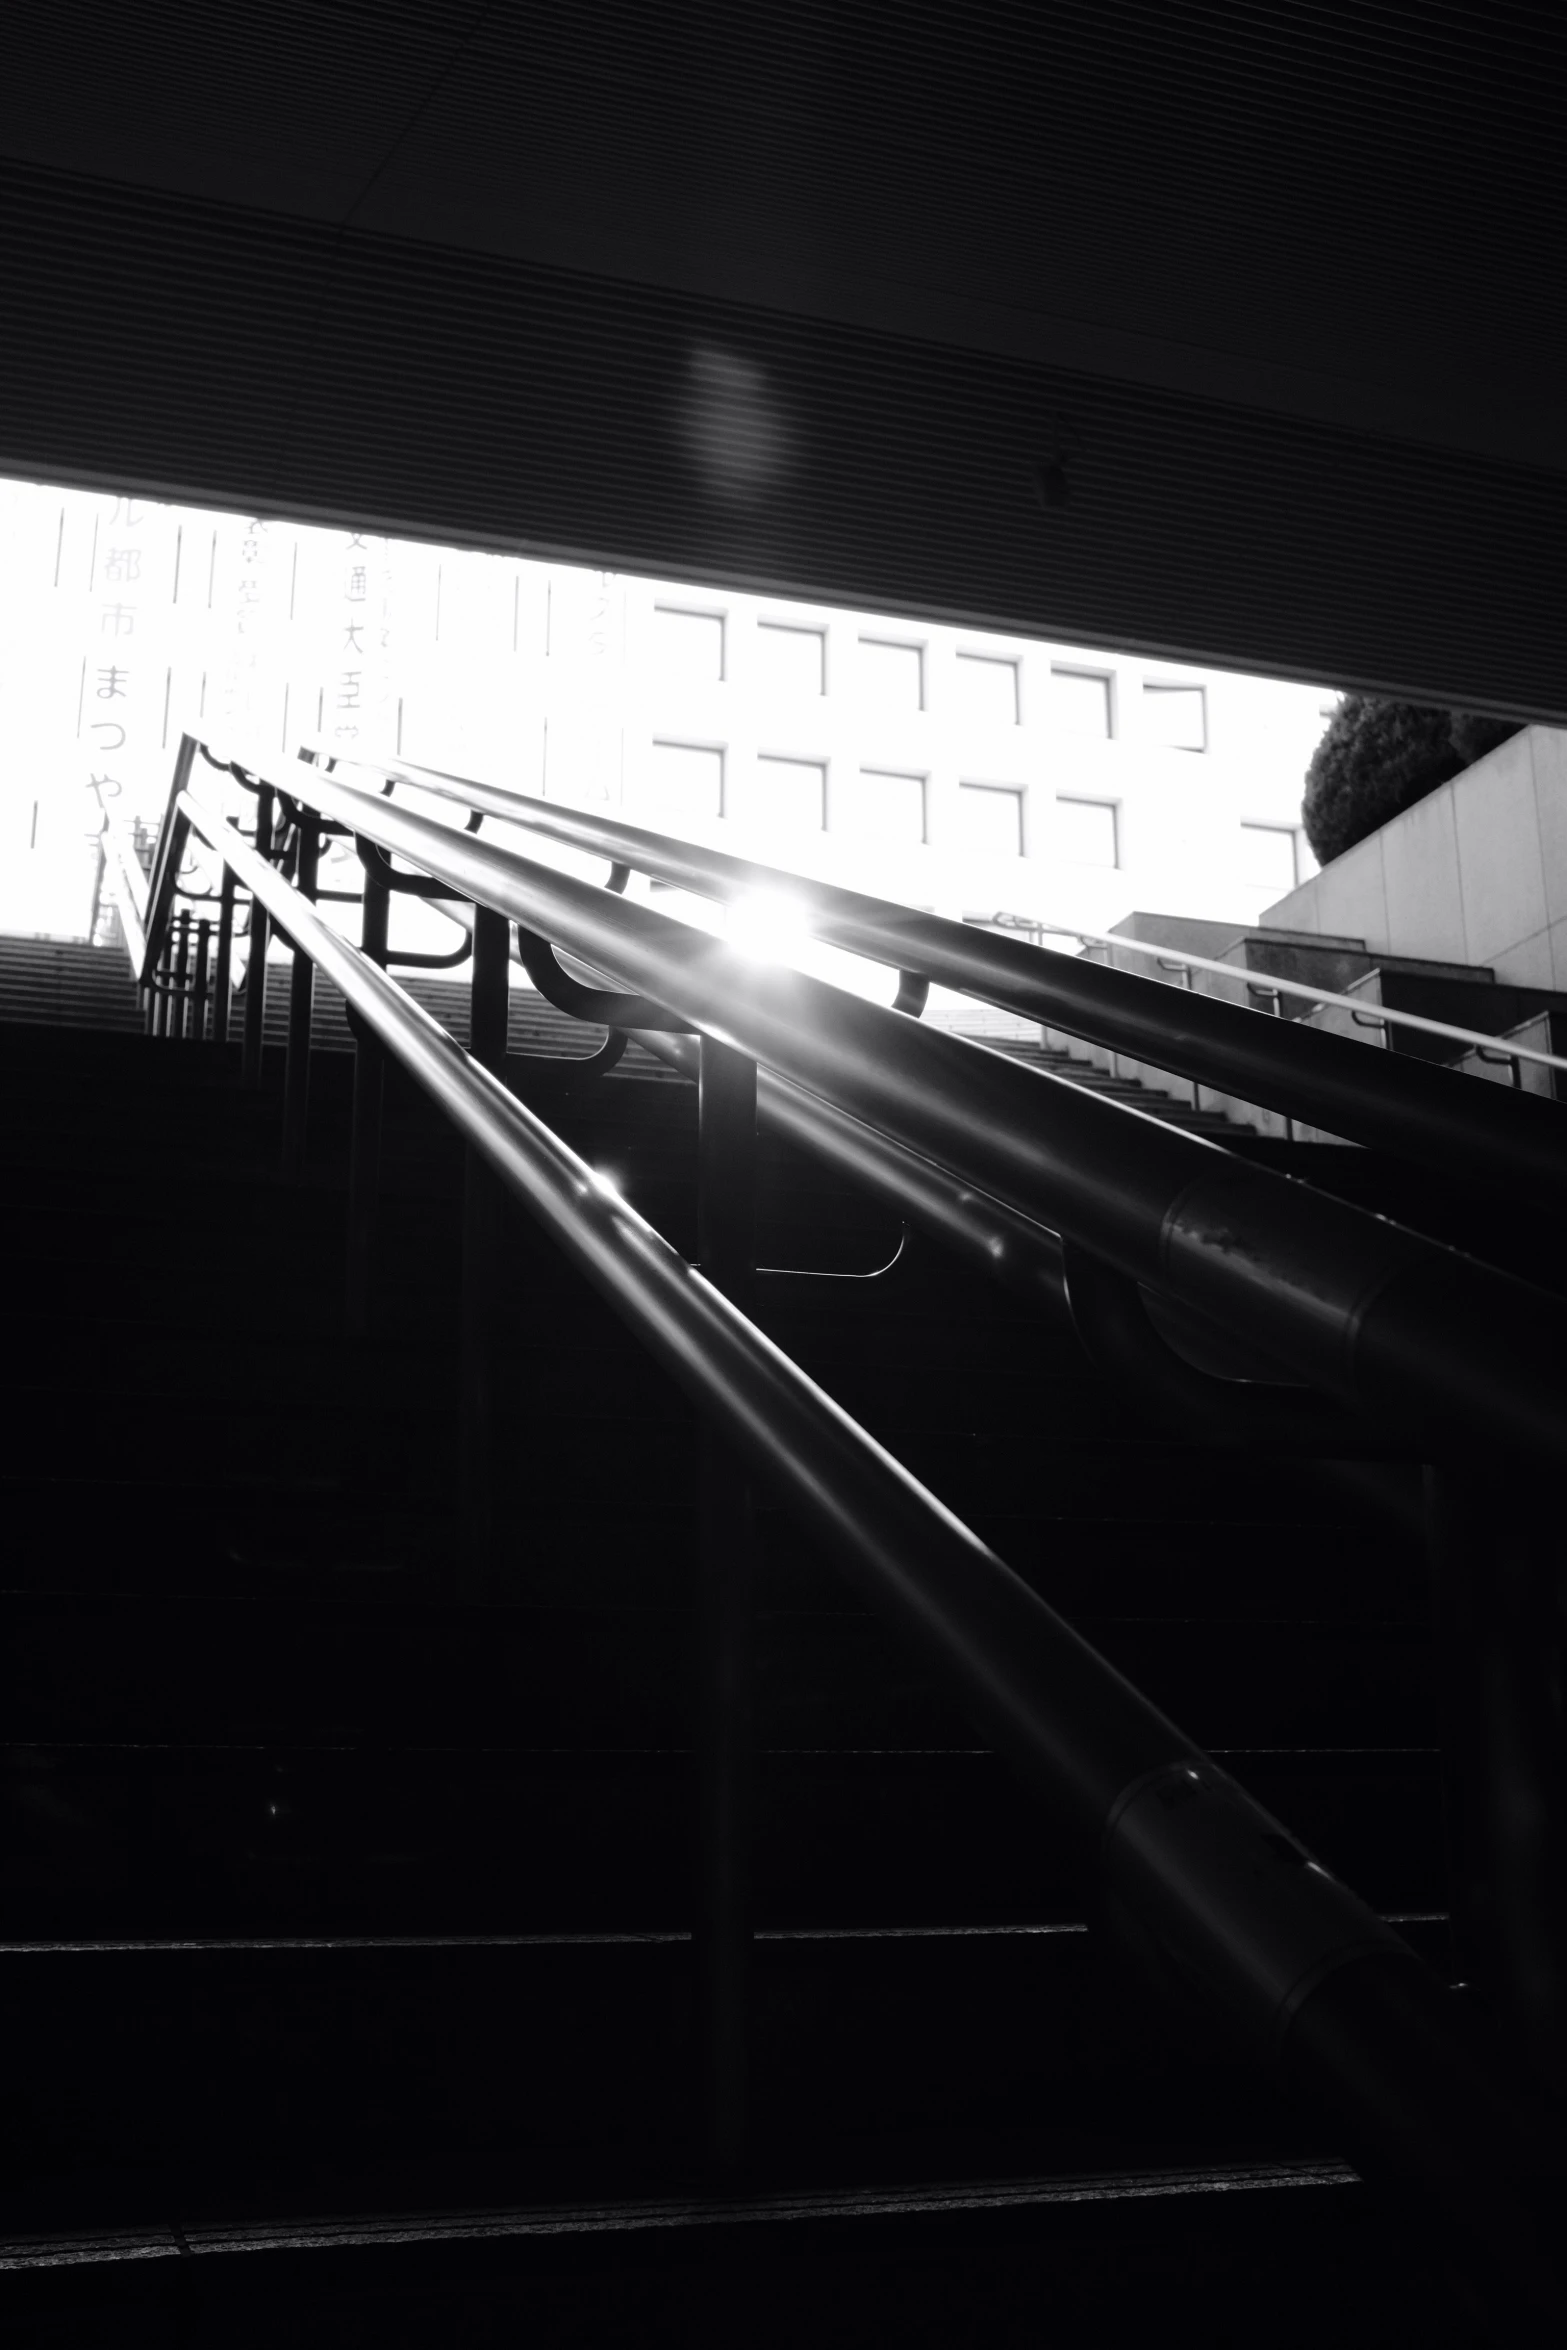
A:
(1221, 330)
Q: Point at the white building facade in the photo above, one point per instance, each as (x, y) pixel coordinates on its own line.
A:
(951, 769)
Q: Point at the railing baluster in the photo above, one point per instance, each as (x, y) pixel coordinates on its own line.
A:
(223, 980)
(1187, 981)
(1274, 998)
(176, 1016)
(1279, 1013)
(725, 1767)
(364, 1163)
(256, 964)
(490, 1000)
(198, 999)
(296, 1083)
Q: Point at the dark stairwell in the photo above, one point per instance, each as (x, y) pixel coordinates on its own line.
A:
(349, 1885)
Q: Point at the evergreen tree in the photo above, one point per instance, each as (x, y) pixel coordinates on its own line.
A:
(1379, 756)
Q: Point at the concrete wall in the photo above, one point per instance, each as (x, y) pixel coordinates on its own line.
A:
(1474, 873)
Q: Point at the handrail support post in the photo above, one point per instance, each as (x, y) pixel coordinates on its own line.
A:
(296, 1084)
(256, 961)
(198, 999)
(364, 1159)
(223, 976)
(177, 1025)
(490, 1001)
(725, 1763)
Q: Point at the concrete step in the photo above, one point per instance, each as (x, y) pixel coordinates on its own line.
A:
(107, 1840)
(1541, 1031)
(182, 1668)
(215, 2066)
(1449, 993)
(1115, 2255)
(360, 1781)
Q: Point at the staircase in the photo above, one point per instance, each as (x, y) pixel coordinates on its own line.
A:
(1373, 983)
(63, 981)
(345, 1946)
(1096, 1071)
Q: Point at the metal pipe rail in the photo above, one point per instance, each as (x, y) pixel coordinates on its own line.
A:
(1221, 1399)
(130, 893)
(1240, 1406)
(168, 857)
(1023, 1257)
(1391, 1323)
(1283, 1956)
(1410, 1107)
(748, 875)
(1268, 983)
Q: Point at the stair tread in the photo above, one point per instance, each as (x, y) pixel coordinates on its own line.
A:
(281, 1804)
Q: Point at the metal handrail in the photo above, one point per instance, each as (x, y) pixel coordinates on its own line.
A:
(1220, 1397)
(1232, 1401)
(130, 895)
(1289, 1957)
(1391, 1323)
(168, 857)
(1387, 1015)
(1409, 1106)
(1018, 1254)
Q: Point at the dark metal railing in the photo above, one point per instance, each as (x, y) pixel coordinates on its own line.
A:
(1186, 1368)
(1274, 988)
(1410, 1107)
(1018, 1254)
(1379, 1317)
(1228, 1910)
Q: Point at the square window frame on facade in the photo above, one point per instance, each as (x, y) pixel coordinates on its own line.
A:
(1001, 789)
(802, 759)
(820, 629)
(1072, 799)
(905, 644)
(723, 617)
(1180, 685)
(1110, 679)
(1012, 661)
(896, 774)
(670, 742)
(1293, 833)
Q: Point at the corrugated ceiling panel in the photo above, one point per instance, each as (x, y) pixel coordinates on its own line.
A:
(197, 351)
(1337, 186)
